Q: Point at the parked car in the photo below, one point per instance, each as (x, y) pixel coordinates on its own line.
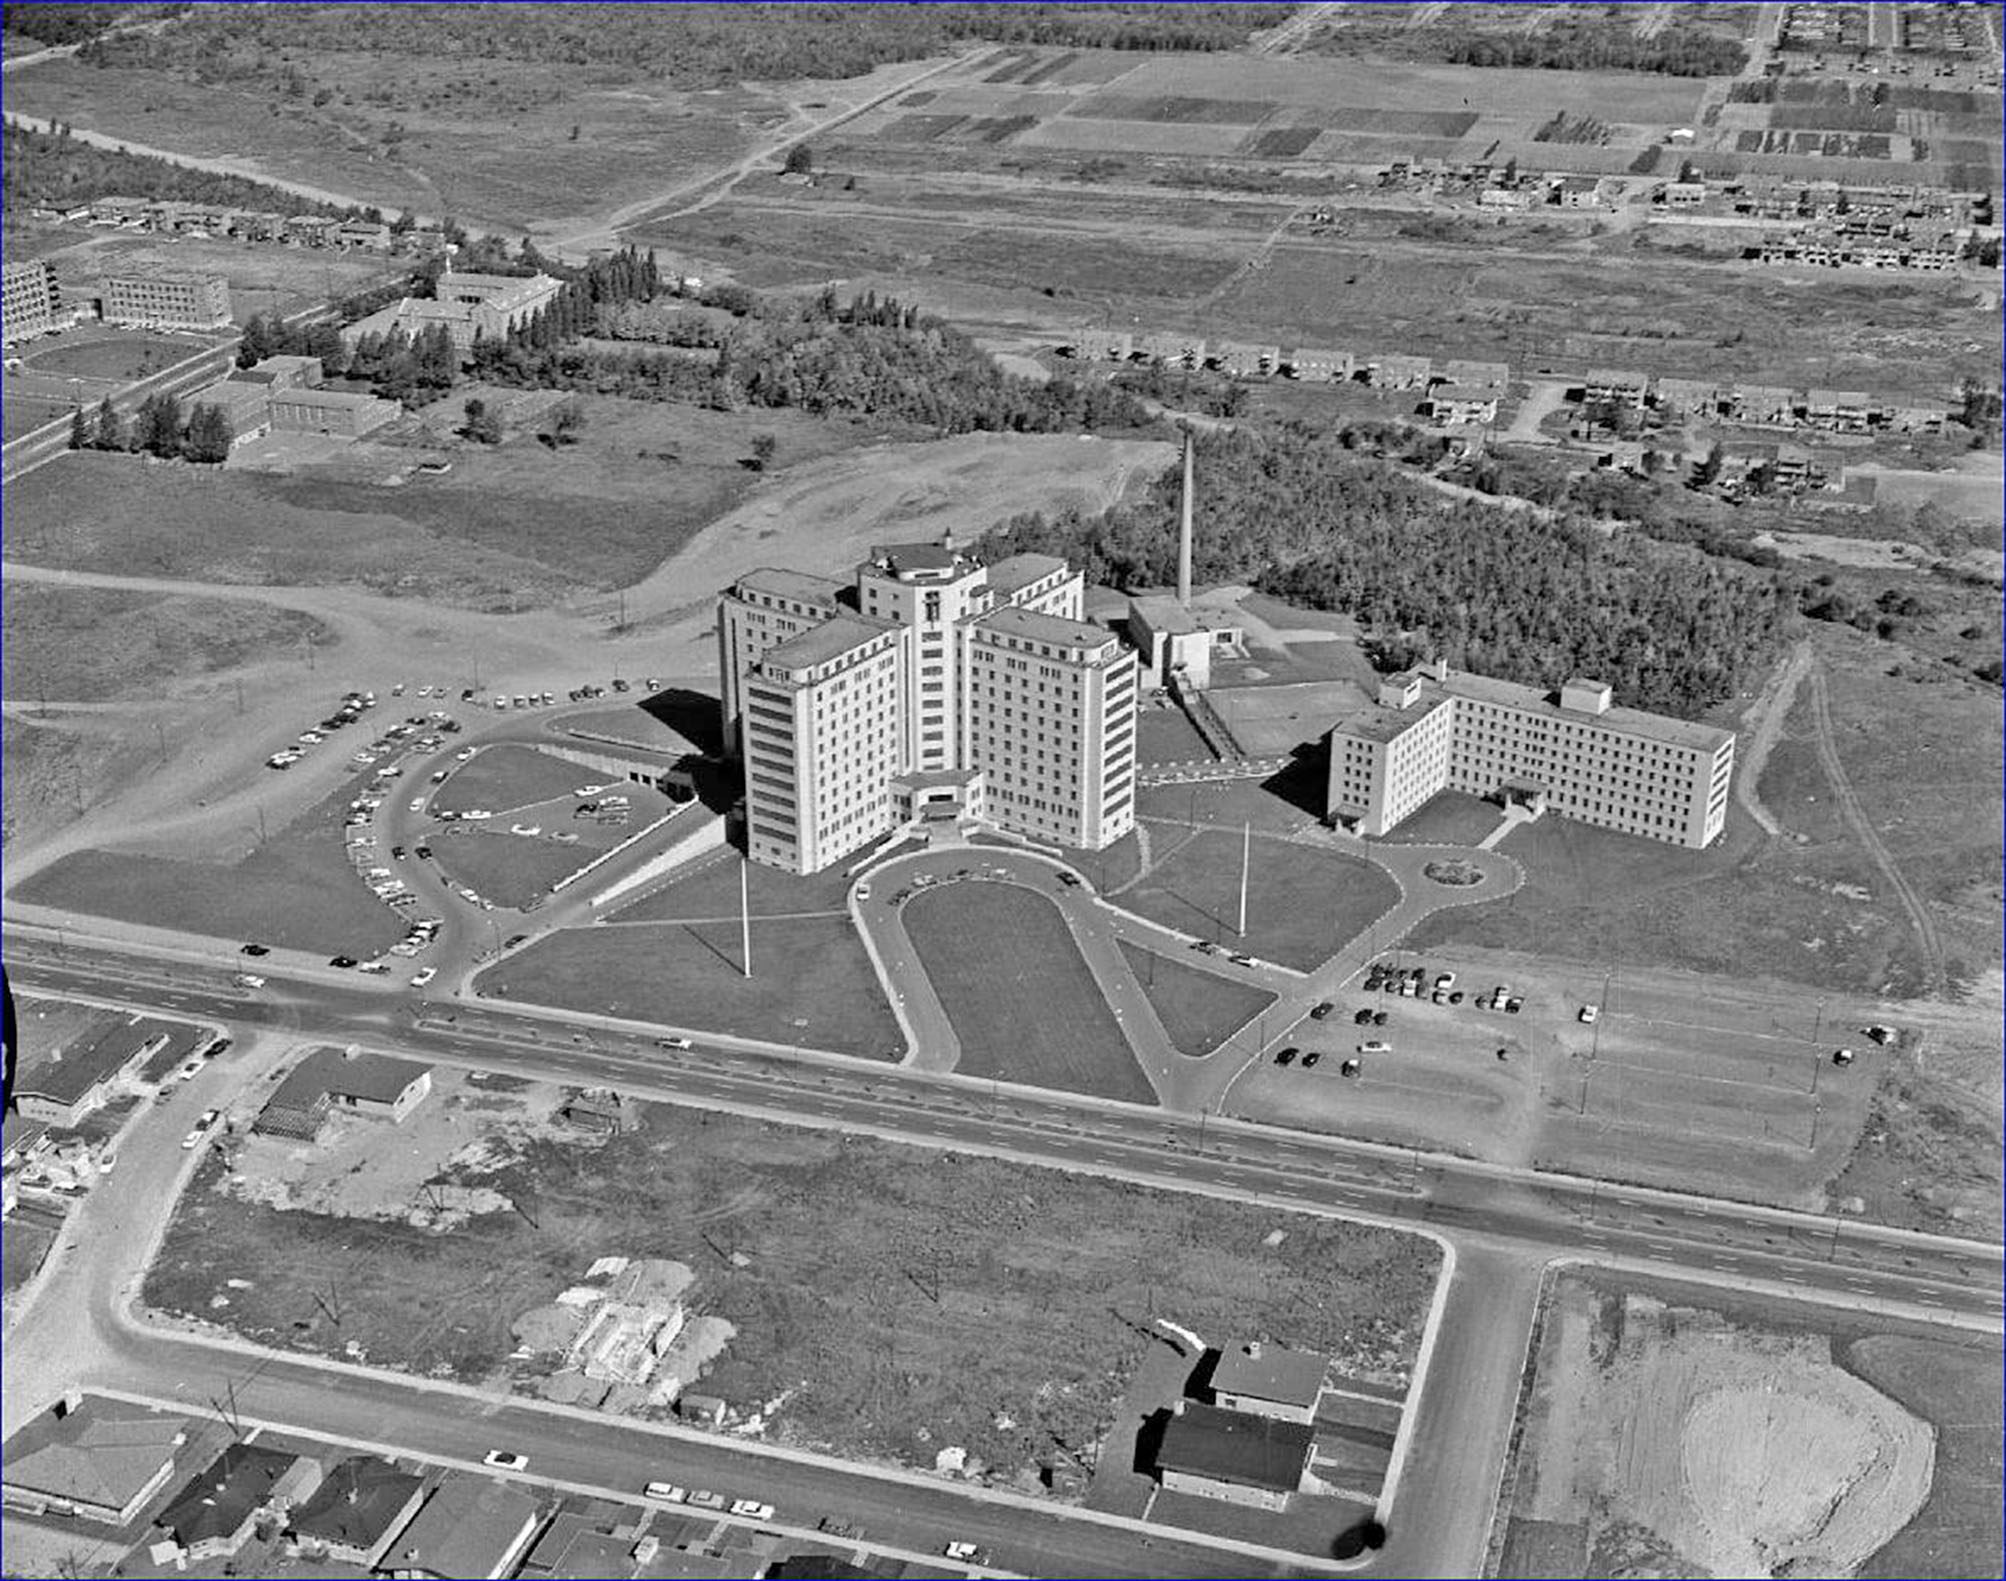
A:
(254, 949)
(967, 1551)
(1375, 1046)
(751, 1510)
(423, 976)
(664, 1493)
(1350, 1067)
(1310, 1059)
(341, 962)
(504, 1460)
(704, 1499)
(1842, 1056)
(1514, 1005)
(1286, 1057)
(1589, 1013)
(1322, 1011)
(1362, 1019)
(219, 1046)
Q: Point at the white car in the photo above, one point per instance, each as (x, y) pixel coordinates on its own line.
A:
(966, 1551)
(751, 1510)
(420, 978)
(590, 790)
(525, 828)
(375, 968)
(504, 1460)
(664, 1493)
(464, 753)
(417, 804)
(192, 1140)
(1589, 1014)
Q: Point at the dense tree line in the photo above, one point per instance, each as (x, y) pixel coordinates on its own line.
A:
(66, 24)
(157, 428)
(57, 169)
(1497, 591)
(693, 45)
(1560, 46)
(870, 356)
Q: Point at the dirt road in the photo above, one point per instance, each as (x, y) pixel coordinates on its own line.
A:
(1762, 723)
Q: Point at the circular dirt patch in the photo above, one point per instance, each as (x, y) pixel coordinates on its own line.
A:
(1456, 874)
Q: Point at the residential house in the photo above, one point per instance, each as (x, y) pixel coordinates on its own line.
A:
(363, 233)
(593, 1540)
(212, 1516)
(1391, 371)
(1243, 361)
(1687, 397)
(1764, 404)
(1578, 192)
(246, 403)
(1319, 365)
(311, 230)
(1684, 194)
(1232, 1455)
(1838, 411)
(1270, 1380)
(1622, 386)
(1102, 345)
(1926, 418)
(1504, 198)
(471, 1529)
(92, 1458)
(118, 211)
(360, 1505)
(330, 1078)
(257, 225)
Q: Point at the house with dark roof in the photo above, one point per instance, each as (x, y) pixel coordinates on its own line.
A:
(471, 1529)
(360, 1505)
(594, 1540)
(212, 1515)
(96, 1459)
(76, 1079)
(1232, 1455)
(1270, 1380)
(349, 1079)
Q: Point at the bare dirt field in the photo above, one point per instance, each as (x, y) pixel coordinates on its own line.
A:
(1663, 1438)
(929, 1300)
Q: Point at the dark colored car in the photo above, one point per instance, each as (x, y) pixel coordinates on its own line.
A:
(255, 949)
(1379, 1018)
(343, 962)
(1322, 1010)
(1350, 1067)
(1286, 1057)
(1362, 1019)
(1310, 1059)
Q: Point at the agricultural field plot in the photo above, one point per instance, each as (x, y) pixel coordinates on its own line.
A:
(1022, 1001)
(1017, 1300)
(91, 645)
(1667, 1431)
(812, 984)
(1305, 902)
(1200, 1010)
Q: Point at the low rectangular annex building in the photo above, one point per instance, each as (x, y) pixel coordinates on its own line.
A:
(1237, 1456)
(1570, 752)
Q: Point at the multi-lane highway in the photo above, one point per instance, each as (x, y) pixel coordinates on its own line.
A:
(1505, 1223)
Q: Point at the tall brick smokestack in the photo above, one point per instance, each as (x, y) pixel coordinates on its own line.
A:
(1184, 531)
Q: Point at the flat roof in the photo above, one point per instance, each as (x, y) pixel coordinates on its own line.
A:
(1271, 1372)
(832, 639)
(1021, 570)
(1376, 722)
(1035, 627)
(896, 557)
(1630, 721)
(1235, 1446)
(783, 583)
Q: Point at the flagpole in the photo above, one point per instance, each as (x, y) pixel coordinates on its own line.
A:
(1246, 851)
(744, 919)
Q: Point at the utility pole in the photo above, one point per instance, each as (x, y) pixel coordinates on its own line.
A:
(240, 694)
(160, 734)
(1246, 851)
(744, 916)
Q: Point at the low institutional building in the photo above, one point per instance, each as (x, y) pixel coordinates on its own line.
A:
(1571, 753)
(468, 305)
(933, 685)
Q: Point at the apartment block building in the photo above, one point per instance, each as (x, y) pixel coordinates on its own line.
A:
(1572, 753)
(930, 681)
(168, 301)
(31, 303)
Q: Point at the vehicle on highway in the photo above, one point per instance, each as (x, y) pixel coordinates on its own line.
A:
(664, 1493)
(423, 976)
(752, 1510)
(673, 1043)
(248, 980)
(504, 1460)
(254, 949)
(1070, 880)
(704, 1499)
(1589, 1013)
(417, 804)
(209, 1119)
(1241, 960)
(514, 939)
(967, 1551)
(1286, 1057)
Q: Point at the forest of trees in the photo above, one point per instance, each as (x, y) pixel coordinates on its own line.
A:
(72, 24)
(1559, 46)
(1492, 590)
(687, 45)
(56, 169)
(871, 356)
(157, 428)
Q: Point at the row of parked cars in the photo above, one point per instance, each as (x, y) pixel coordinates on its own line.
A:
(351, 708)
(1412, 983)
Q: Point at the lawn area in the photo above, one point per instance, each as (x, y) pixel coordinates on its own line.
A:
(117, 359)
(1199, 1010)
(506, 778)
(708, 890)
(812, 983)
(23, 1245)
(1449, 818)
(23, 414)
(90, 644)
(897, 1299)
(510, 869)
(1021, 999)
(1303, 902)
(295, 891)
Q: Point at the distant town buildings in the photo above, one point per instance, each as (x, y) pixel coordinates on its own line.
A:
(468, 306)
(167, 300)
(931, 686)
(1572, 753)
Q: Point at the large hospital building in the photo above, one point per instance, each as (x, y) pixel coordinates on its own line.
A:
(1436, 729)
(930, 685)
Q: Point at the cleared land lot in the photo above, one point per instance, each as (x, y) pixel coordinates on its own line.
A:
(1304, 903)
(1200, 1010)
(1023, 1002)
(88, 645)
(896, 1299)
(812, 984)
(108, 359)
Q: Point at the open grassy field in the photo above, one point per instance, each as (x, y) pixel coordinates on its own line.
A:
(1450, 818)
(264, 277)
(1303, 902)
(506, 779)
(115, 360)
(812, 984)
(898, 1299)
(708, 890)
(511, 870)
(23, 414)
(1022, 1001)
(1200, 1010)
(89, 645)
(293, 889)
(499, 532)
